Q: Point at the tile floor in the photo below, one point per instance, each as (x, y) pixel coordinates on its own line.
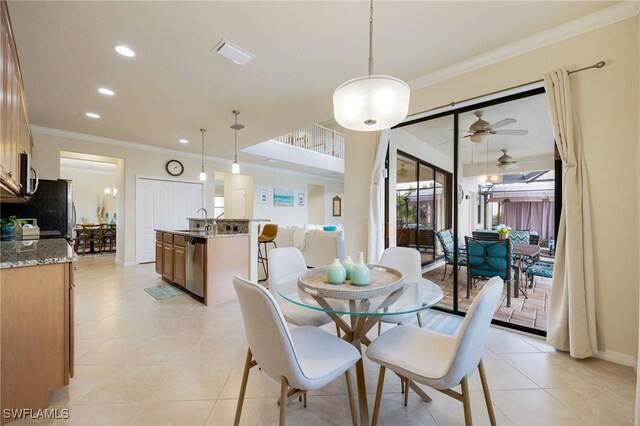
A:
(149, 362)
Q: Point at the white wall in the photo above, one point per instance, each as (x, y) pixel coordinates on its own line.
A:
(296, 215)
(316, 204)
(606, 101)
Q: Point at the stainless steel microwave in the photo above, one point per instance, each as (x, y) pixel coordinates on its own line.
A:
(28, 176)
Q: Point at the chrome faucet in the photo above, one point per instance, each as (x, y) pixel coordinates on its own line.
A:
(207, 226)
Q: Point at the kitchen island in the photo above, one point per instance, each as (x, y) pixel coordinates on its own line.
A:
(36, 319)
(204, 263)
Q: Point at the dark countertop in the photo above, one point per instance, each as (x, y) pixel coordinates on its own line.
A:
(14, 254)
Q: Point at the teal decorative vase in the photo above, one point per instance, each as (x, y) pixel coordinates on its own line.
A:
(360, 274)
(347, 263)
(336, 273)
(113, 219)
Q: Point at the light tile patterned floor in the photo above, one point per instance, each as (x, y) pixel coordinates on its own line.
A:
(152, 362)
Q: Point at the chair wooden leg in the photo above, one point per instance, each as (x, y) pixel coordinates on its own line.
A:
(304, 399)
(466, 402)
(243, 387)
(376, 406)
(487, 395)
(445, 271)
(406, 394)
(284, 384)
(379, 327)
(468, 285)
(338, 330)
(352, 403)
(419, 319)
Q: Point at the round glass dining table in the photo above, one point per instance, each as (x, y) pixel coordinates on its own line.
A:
(416, 294)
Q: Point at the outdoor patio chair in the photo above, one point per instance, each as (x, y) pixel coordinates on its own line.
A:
(539, 269)
(486, 259)
(446, 240)
(520, 237)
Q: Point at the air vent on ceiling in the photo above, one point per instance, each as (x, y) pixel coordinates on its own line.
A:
(233, 52)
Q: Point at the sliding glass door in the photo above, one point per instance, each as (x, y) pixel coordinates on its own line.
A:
(422, 206)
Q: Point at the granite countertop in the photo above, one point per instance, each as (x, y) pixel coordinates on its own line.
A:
(200, 234)
(14, 254)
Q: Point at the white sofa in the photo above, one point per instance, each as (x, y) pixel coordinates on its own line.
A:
(318, 247)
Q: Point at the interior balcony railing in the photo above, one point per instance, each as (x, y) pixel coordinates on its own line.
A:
(318, 139)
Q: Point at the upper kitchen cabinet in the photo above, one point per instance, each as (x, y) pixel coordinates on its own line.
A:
(15, 133)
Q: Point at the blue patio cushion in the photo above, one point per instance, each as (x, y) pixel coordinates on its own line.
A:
(446, 240)
(520, 237)
(488, 258)
(541, 269)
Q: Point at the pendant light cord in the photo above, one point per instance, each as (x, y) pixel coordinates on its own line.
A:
(371, 38)
(203, 130)
(235, 145)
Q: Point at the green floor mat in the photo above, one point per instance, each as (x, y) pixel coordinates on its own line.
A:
(164, 291)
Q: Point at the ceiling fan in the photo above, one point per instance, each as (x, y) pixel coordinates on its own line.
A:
(481, 129)
(506, 162)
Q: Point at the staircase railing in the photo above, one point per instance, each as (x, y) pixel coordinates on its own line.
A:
(316, 138)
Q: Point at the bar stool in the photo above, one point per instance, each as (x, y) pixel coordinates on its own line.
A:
(268, 235)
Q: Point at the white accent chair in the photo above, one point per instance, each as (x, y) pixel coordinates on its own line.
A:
(284, 263)
(437, 360)
(409, 262)
(302, 359)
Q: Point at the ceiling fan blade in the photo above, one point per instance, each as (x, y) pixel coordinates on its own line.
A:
(502, 123)
(510, 132)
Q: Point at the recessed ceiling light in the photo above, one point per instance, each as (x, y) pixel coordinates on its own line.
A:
(233, 52)
(271, 160)
(92, 115)
(125, 51)
(183, 141)
(106, 91)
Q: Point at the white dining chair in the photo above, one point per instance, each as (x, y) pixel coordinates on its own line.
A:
(409, 262)
(301, 359)
(285, 263)
(437, 360)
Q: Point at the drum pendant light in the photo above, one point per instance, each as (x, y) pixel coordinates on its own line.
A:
(203, 175)
(235, 167)
(372, 102)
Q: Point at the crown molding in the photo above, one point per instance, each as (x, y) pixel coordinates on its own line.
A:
(602, 18)
(168, 151)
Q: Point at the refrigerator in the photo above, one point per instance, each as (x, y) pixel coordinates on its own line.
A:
(51, 205)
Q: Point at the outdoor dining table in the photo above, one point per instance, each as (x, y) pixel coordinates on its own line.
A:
(523, 252)
(414, 294)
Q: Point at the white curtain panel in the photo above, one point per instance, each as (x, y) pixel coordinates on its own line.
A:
(375, 244)
(571, 324)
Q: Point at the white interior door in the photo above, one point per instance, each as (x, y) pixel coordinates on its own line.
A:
(163, 204)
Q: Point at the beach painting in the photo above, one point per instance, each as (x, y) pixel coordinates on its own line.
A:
(282, 197)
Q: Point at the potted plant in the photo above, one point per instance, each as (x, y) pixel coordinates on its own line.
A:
(8, 225)
(503, 231)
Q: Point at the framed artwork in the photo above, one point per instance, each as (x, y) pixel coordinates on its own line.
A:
(264, 196)
(336, 206)
(301, 198)
(282, 197)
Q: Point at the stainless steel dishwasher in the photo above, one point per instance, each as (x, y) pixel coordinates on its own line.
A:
(196, 250)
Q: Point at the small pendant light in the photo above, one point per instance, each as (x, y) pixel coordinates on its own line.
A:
(235, 167)
(203, 175)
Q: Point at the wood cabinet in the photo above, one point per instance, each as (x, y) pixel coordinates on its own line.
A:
(179, 266)
(179, 260)
(15, 133)
(159, 250)
(167, 261)
(36, 320)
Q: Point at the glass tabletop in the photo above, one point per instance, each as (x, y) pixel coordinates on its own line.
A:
(416, 294)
